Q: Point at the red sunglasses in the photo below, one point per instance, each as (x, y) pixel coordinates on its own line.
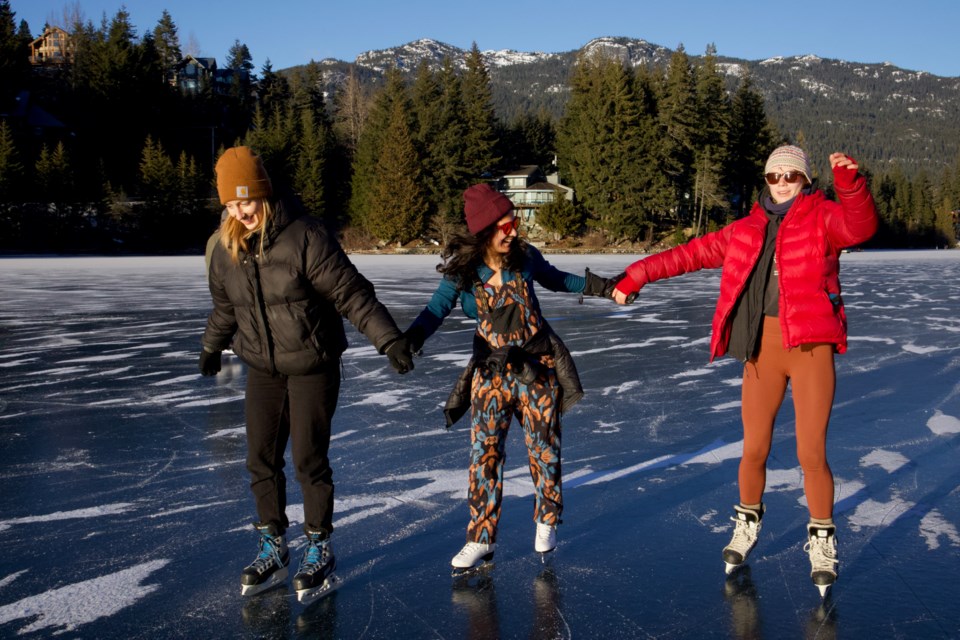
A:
(510, 225)
(790, 176)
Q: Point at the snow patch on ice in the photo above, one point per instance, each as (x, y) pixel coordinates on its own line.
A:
(942, 424)
(784, 479)
(691, 374)
(933, 526)
(227, 433)
(382, 399)
(4, 581)
(733, 404)
(192, 507)
(871, 513)
(209, 402)
(889, 341)
(912, 348)
(621, 388)
(627, 345)
(67, 608)
(93, 512)
(890, 461)
(177, 380)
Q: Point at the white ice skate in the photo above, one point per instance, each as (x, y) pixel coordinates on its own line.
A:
(745, 533)
(546, 538)
(473, 556)
(822, 548)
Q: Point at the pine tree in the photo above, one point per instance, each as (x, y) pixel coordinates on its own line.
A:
(370, 143)
(750, 142)
(606, 148)
(167, 43)
(14, 64)
(273, 90)
(481, 130)
(11, 169)
(560, 217)
(678, 119)
(54, 177)
(710, 145)
(398, 201)
(311, 156)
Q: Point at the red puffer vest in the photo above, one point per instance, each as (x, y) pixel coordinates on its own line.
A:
(808, 248)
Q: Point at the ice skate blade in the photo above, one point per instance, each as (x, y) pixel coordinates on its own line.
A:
(306, 596)
(730, 568)
(458, 572)
(546, 555)
(274, 580)
(824, 590)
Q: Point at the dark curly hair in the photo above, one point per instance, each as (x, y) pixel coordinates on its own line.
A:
(464, 252)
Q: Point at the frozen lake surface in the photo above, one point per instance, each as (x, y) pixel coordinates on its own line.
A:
(125, 511)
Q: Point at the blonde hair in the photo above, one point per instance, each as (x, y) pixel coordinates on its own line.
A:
(234, 236)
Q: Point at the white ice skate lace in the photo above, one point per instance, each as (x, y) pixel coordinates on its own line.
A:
(744, 536)
(471, 549)
(823, 553)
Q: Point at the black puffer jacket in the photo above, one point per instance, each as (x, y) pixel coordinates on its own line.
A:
(283, 310)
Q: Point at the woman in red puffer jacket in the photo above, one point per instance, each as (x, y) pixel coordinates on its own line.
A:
(780, 312)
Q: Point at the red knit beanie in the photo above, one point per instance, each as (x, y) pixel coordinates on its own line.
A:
(241, 176)
(483, 206)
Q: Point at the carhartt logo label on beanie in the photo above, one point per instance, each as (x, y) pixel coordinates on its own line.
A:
(241, 176)
(483, 206)
(788, 157)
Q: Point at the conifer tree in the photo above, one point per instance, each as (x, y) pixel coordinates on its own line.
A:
(370, 143)
(311, 156)
(14, 65)
(710, 146)
(54, 178)
(751, 140)
(678, 120)
(398, 200)
(167, 43)
(11, 169)
(481, 128)
(273, 90)
(606, 148)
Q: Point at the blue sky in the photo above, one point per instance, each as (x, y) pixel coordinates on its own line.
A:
(918, 35)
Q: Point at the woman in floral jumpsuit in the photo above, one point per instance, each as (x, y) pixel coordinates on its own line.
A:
(519, 366)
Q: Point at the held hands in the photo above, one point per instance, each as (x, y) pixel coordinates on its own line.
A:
(601, 287)
(400, 354)
(844, 170)
(209, 362)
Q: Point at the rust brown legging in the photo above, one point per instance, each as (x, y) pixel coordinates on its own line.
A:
(809, 370)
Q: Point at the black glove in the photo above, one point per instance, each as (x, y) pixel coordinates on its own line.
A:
(600, 287)
(399, 354)
(416, 337)
(209, 362)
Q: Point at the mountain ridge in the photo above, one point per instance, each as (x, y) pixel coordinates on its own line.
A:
(882, 113)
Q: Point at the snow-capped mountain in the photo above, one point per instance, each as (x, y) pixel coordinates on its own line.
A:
(878, 111)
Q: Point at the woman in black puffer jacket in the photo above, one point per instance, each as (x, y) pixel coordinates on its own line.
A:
(280, 285)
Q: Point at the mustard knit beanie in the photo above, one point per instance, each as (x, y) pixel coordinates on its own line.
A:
(241, 176)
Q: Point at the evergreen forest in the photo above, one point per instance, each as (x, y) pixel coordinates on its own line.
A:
(111, 154)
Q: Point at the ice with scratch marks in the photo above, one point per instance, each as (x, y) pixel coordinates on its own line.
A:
(66, 608)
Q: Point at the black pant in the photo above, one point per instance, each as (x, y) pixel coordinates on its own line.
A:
(311, 401)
